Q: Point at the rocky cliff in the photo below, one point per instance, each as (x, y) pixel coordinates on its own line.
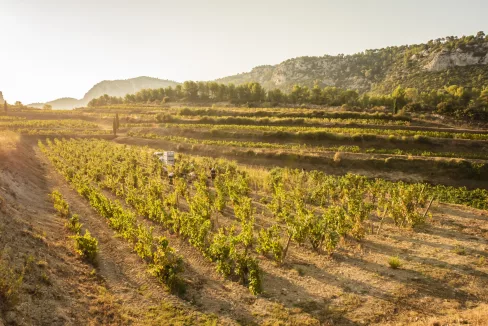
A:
(2, 100)
(446, 59)
(427, 66)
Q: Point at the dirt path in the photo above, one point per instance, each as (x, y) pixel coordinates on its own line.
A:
(57, 287)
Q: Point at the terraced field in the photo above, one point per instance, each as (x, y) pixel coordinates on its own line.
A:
(309, 217)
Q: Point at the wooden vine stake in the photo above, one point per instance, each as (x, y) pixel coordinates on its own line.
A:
(428, 207)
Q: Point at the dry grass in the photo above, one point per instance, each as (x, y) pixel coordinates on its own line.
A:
(8, 140)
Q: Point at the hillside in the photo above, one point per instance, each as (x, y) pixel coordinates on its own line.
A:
(110, 87)
(432, 65)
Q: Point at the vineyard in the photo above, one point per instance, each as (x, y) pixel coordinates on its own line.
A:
(304, 147)
(269, 216)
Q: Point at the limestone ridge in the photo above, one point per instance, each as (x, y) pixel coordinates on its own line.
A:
(446, 59)
(441, 62)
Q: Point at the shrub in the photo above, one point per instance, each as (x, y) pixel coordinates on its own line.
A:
(421, 139)
(337, 157)
(413, 107)
(459, 250)
(86, 246)
(165, 117)
(394, 262)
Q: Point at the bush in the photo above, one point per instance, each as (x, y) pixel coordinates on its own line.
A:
(394, 262)
(337, 157)
(164, 117)
(86, 246)
(413, 107)
(421, 139)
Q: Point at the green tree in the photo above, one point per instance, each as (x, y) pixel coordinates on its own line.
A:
(114, 126)
(47, 107)
(117, 121)
(399, 100)
(316, 94)
(190, 90)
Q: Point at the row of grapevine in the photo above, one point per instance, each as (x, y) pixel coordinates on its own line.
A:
(65, 123)
(136, 176)
(306, 147)
(272, 121)
(162, 260)
(218, 217)
(86, 245)
(321, 132)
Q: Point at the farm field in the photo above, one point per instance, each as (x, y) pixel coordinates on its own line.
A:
(310, 217)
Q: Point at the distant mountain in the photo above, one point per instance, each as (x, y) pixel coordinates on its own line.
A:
(110, 87)
(435, 64)
(1, 98)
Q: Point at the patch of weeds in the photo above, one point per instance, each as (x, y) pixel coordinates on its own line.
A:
(41, 237)
(299, 270)
(142, 289)
(45, 278)
(42, 263)
(107, 311)
(309, 306)
(481, 261)
(394, 262)
(459, 250)
(10, 282)
(351, 300)
(168, 314)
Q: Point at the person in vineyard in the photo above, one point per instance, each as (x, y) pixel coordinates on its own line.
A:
(171, 177)
(213, 173)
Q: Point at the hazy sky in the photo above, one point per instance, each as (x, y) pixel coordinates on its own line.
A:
(60, 48)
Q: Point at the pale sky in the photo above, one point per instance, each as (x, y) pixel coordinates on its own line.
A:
(61, 48)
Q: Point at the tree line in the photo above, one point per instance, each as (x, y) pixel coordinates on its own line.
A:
(455, 101)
